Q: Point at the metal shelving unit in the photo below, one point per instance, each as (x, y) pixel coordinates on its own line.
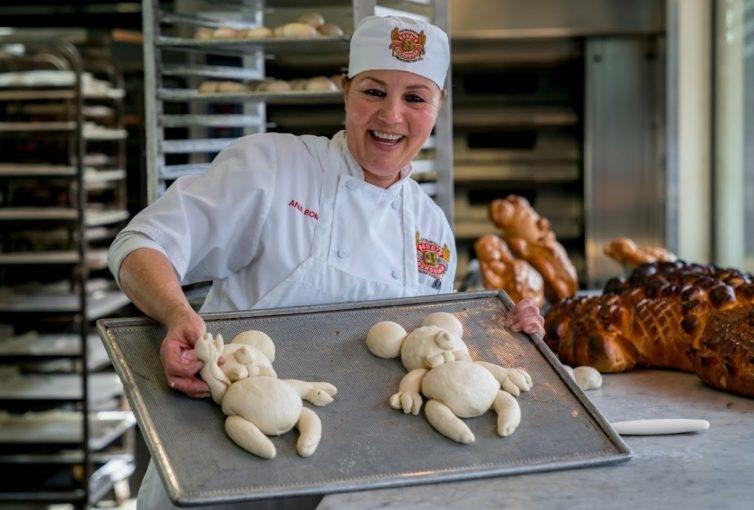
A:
(58, 207)
(186, 128)
(518, 130)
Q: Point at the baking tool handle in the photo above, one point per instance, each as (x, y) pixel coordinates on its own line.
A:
(659, 427)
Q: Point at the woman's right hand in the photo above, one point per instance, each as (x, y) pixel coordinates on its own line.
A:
(178, 356)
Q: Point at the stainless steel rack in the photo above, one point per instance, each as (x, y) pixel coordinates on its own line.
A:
(58, 202)
(518, 129)
(186, 128)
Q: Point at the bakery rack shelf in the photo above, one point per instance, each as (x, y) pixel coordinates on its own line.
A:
(22, 128)
(47, 94)
(52, 353)
(514, 117)
(297, 45)
(96, 259)
(93, 217)
(99, 303)
(55, 216)
(100, 483)
(60, 388)
(64, 457)
(190, 118)
(517, 172)
(287, 97)
(62, 429)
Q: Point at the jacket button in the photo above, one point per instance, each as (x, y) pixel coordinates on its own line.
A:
(351, 185)
(395, 205)
(342, 253)
(395, 274)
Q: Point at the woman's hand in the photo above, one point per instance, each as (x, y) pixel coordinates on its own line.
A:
(525, 317)
(178, 356)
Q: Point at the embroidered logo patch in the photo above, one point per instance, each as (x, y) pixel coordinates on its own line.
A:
(431, 259)
(407, 45)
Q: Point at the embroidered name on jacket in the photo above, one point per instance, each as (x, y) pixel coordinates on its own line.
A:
(300, 208)
(431, 259)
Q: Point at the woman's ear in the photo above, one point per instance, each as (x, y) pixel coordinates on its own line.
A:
(345, 84)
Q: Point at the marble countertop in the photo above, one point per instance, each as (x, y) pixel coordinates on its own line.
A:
(712, 469)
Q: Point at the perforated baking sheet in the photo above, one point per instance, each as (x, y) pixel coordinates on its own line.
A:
(365, 444)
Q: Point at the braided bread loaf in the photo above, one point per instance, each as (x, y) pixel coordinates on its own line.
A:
(689, 317)
(529, 237)
(501, 271)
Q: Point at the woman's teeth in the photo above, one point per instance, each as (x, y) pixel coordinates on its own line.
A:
(386, 137)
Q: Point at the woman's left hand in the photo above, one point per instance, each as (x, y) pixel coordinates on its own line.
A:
(525, 317)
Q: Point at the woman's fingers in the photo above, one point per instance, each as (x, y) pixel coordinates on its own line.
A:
(179, 362)
(191, 386)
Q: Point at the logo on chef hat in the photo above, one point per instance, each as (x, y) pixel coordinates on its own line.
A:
(407, 45)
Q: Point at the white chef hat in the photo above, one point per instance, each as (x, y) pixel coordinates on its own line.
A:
(401, 44)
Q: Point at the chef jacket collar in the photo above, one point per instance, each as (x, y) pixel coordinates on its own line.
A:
(355, 170)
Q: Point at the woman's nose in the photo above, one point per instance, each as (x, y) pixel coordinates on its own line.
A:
(391, 111)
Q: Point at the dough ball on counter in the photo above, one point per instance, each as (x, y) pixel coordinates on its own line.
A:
(294, 30)
(385, 339)
(569, 370)
(204, 33)
(587, 378)
(320, 84)
(446, 321)
(273, 86)
(330, 30)
(225, 33)
(232, 86)
(312, 18)
(257, 33)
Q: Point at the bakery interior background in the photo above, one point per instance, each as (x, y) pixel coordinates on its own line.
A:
(612, 119)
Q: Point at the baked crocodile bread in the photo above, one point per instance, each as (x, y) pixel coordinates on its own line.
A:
(500, 270)
(529, 237)
(688, 317)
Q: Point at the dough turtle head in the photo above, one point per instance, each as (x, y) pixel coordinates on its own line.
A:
(431, 346)
(444, 320)
(257, 340)
(385, 338)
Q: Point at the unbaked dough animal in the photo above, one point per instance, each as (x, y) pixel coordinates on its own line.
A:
(256, 402)
(440, 369)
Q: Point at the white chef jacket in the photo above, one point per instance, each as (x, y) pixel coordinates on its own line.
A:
(249, 222)
(282, 220)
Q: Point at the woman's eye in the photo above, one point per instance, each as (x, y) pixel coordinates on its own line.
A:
(413, 98)
(374, 92)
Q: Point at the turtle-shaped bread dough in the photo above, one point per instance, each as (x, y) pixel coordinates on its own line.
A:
(256, 402)
(441, 370)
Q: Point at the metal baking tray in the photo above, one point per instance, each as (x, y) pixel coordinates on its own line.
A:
(365, 444)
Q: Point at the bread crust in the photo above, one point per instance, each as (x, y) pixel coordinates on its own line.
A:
(689, 317)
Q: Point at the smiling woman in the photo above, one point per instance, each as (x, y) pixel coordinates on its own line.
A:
(389, 115)
(281, 220)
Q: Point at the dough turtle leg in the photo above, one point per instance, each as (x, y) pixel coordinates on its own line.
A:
(508, 413)
(318, 393)
(249, 437)
(447, 423)
(310, 432)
